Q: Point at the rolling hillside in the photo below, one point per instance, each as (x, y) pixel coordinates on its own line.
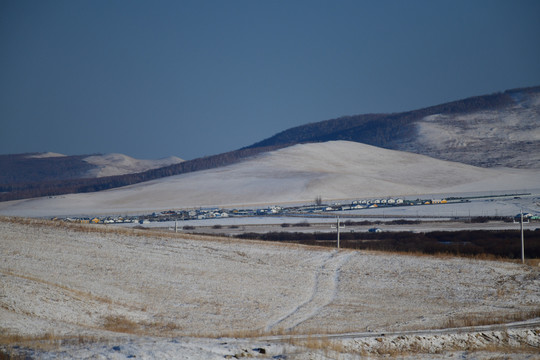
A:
(110, 293)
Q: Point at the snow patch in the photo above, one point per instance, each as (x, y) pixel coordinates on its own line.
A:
(45, 155)
(120, 164)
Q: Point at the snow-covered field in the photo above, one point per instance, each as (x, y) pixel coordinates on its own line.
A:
(332, 170)
(82, 291)
(98, 292)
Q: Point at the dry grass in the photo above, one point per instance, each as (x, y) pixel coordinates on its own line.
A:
(113, 323)
(417, 349)
(160, 234)
(95, 228)
(121, 324)
(15, 339)
(48, 338)
(411, 346)
(46, 341)
(471, 320)
(15, 346)
(102, 229)
(446, 256)
(318, 344)
(245, 333)
(262, 333)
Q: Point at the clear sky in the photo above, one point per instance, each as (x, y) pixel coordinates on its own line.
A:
(152, 79)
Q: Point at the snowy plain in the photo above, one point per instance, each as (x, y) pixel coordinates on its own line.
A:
(121, 293)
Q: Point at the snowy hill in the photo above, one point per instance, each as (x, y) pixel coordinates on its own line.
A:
(495, 130)
(332, 170)
(120, 164)
(509, 136)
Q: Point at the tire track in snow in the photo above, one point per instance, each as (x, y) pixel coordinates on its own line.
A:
(323, 293)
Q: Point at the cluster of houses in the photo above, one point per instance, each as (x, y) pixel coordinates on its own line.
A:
(399, 201)
(373, 203)
(200, 214)
(526, 216)
(100, 220)
(172, 215)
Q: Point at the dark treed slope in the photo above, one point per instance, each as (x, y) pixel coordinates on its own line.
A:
(501, 129)
(26, 168)
(398, 131)
(385, 130)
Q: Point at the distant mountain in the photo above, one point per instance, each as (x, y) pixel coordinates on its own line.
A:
(494, 130)
(30, 175)
(120, 164)
(41, 167)
(46, 167)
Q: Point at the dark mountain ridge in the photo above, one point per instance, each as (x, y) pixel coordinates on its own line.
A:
(32, 167)
(386, 130)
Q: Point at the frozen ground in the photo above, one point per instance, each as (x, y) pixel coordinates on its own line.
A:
(96, 292)
(332, 170)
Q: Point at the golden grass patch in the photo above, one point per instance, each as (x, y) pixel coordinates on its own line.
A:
(470, 320)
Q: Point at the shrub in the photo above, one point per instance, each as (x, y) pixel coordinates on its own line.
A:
(500, 243)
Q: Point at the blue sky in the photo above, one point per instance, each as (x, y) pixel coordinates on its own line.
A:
(152, 79)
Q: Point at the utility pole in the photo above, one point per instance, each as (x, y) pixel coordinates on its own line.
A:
(521, 222)
(522, 238)
(337, 227)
